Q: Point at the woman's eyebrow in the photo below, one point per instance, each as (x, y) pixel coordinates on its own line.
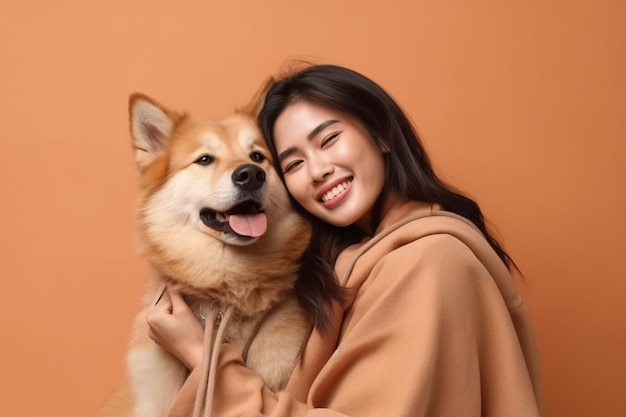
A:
(321, 127)
(285, 154)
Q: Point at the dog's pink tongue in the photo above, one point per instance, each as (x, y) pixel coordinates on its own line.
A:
(252, 225)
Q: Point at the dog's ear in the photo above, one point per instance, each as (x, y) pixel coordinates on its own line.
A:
(254, 106)
(151, 126)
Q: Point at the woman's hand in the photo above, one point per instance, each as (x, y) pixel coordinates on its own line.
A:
(175, 328)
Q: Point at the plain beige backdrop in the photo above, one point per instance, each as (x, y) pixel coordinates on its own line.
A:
(521, 104)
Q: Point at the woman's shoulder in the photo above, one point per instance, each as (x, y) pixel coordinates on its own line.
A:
(439, 264)
(435, 253)
(411, 222)
(412, 235)
(437, 239)
(437, 245)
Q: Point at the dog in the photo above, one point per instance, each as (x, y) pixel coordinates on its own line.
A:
(214, 218)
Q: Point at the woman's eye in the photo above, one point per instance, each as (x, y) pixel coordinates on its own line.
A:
(291, 166)
(257, 156)
(330, 139)
(205, 159)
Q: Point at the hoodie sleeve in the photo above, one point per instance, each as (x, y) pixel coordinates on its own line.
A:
(239, 392)
(428, 334)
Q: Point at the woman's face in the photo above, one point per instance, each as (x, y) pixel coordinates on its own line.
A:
(332, 166)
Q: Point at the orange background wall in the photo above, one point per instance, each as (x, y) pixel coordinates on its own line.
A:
(521, 104)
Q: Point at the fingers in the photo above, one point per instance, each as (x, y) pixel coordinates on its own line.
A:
(158, 317)
(158, 312)
(176, 298)
(169, 301)
(159, 293)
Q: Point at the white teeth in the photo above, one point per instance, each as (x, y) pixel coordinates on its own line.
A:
(335, 191)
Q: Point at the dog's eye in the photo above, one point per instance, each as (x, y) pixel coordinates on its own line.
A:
(204, 159)
(257, 156)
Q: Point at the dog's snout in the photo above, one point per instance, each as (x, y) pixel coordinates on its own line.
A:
(249, 177)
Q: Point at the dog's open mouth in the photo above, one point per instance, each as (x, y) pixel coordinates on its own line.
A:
(245, 219)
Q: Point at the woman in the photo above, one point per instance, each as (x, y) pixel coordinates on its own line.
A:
(420, 316)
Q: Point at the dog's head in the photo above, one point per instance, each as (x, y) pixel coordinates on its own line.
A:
(212, 174)
(208, 190)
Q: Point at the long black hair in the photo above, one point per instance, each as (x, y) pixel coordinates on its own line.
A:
(409, 171)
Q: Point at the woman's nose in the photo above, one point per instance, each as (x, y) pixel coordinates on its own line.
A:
(320, 169)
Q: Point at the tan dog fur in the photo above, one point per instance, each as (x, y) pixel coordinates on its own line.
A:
(255, 275)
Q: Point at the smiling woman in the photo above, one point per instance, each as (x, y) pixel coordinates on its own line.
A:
(315, 143)
(414, 290)
(521, 104)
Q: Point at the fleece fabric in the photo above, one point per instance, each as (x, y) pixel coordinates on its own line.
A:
(433, 327)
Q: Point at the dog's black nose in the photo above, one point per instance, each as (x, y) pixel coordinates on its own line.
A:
(249, 177)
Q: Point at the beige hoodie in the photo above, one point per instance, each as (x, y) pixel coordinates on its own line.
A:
(434, 327)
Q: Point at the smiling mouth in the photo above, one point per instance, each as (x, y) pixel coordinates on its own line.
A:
(336, 191)
(246, 219)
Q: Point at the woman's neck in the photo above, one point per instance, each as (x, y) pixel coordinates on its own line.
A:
(387, 200)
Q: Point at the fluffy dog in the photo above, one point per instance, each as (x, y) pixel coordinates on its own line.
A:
(214, 218)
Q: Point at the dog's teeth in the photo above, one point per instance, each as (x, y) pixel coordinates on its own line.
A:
(220, 217)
